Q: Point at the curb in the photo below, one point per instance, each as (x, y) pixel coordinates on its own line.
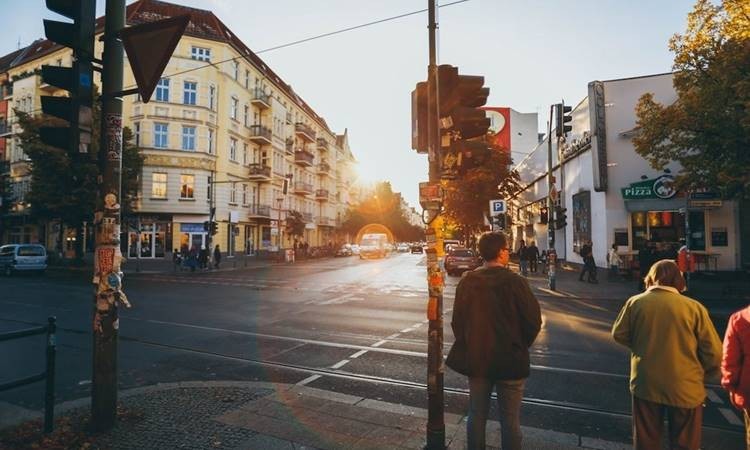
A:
(551, 436)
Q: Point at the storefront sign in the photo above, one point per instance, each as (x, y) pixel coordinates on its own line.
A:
(662, 187)
(191, 228)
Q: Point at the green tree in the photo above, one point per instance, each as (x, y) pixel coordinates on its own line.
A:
(295, 224)
(707, 129)
(383, 206)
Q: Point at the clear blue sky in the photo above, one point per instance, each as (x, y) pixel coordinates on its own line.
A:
(531, 52)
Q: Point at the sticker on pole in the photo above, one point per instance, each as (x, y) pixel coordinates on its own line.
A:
(497, 207)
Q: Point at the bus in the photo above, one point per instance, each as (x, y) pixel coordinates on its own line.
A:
(374, 245)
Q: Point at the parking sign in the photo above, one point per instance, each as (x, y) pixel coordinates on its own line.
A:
(497, 207)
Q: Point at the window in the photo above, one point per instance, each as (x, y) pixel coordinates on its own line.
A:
(236, 69)
(244, 153)
(200, 54)
(137, 126)
(160, 135)
(162, 90)
(159, 185)
(210, 141)
(233, 193)
(233, 149)
(190, 92)
(188, 138)
(187, 185)
(244, 194)
(233, 108)
(247, 109)
(247, 79)
(211, 97)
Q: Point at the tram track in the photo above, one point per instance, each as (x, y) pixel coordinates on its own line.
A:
(343, 374)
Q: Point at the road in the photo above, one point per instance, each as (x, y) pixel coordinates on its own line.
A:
(344, 325)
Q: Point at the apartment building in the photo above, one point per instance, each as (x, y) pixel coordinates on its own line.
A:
(222, 130)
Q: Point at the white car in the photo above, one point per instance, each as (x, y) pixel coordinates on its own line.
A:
(355, 249)
(402, 247)
(23, 257)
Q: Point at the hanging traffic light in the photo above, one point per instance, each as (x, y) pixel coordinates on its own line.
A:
(562, 116)
(214, 228)
(76, 109)
(561, 218)
(206, 225)
(460, 97)
(543, 215)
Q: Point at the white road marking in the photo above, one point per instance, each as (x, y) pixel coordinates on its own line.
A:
(309, 379)
(407, 330)
(358, 354)
(730, 416)
(551, 292)
(426, 321)
(379, 343)
(340, 364)
(713, 396)
(393, 336)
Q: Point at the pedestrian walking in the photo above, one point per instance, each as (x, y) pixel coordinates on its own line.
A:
(544, 261)
(203, 258)
(674, 351)
(193, 258)
(523, 263)
(532, 253)
(614, 261)
(589, 264)
(495, 320)
(735, 365)
(217, 256)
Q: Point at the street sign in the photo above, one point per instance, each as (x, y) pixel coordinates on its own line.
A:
(497, 207)
(705, 203)
(149, 47)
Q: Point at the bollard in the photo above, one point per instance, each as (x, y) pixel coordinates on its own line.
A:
(49, 394)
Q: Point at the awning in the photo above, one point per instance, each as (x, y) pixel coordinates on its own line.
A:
(655, 204)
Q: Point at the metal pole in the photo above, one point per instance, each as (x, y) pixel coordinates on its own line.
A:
(687, 240)
(49, 371)
(107, 277)
(436, 405)
(551, 253)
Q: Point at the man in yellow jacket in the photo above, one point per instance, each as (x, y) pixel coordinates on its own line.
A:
(674, 350)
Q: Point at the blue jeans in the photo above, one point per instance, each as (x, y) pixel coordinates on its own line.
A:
(524, 265)
(509, 396)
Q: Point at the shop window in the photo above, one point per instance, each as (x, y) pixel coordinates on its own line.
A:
(697, 230)
(621, 238)
(719, 237)
(581, 219)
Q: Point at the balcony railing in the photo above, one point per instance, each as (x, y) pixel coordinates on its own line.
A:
(261, 99)
(323, 144)
(324, 169)
(325, 221)
(300, 187)
(303, 157)
(260, 134)
(322, 195)
(259, 210)
(259, 172)
(308, 217)
(304, 131)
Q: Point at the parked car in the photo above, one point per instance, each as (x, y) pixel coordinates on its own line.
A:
(345, 250)
(402, 247)
(459, 260)
(22, 258)
(449, 244)
(417, 248)
(355, 249)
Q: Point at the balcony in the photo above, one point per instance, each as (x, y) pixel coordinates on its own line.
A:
(322, 195)
(259, 172)
(300, 187)
(303, 157)
(308, 217)
(304, 131)
(261, 99)
(324, 169)
(260, 134)
(325, 222)
(290, 146)
(259, 211)
(323, 145)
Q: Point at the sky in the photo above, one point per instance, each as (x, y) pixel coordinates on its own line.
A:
(532, 53)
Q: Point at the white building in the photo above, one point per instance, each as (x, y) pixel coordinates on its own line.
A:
(611, 195)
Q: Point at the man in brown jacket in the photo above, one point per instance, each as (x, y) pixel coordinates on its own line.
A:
(495, 320)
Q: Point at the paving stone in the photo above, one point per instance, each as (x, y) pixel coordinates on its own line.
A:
(260, 441)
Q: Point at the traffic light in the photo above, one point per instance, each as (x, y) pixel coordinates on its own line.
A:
(77, 80)
(419, 118)
(543, 215)
(206, 225)
(214, 228)
(460, 96)
(561, 219)
(562, 116)
(498, 221)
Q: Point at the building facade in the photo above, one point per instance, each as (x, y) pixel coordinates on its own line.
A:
(222, 132)
(612, 195)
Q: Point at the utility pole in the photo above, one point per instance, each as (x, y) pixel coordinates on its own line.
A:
(107, 275)
(435, 367)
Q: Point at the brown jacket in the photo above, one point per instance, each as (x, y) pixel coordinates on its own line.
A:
(495, 320)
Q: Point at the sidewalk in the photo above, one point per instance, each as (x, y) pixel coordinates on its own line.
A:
(259, 415)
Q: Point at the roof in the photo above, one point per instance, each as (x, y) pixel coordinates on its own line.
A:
(203, 24)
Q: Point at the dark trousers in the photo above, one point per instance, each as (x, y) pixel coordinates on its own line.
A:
(509, 396)
(648, 420)
(532, 264)
(590, 267)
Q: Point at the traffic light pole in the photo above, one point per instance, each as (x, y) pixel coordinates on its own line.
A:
(107, 276)
(551, 252)
(435, 415)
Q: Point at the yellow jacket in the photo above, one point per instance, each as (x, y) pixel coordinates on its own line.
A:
(675, 347)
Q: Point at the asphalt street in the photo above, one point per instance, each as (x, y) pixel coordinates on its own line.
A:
(345, 325)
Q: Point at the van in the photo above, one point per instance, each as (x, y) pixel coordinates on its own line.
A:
(22, 258)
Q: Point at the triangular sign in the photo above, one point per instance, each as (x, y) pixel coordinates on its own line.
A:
(149, 47)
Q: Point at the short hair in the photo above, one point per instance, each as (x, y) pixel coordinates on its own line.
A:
(491, 243)
(665, 273)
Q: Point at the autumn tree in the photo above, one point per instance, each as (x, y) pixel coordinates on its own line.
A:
(383, 206)
(707, 129)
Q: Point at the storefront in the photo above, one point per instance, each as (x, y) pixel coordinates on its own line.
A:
(193, 235)
(149, 237)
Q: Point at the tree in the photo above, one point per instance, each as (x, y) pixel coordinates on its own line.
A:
(64, 187)
(383, 206)
(295, 224)
(707, 129)
(467, 197)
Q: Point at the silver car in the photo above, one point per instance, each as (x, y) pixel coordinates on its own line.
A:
(22, 258)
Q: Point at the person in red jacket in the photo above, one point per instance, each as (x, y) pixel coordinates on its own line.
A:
(735, 364)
